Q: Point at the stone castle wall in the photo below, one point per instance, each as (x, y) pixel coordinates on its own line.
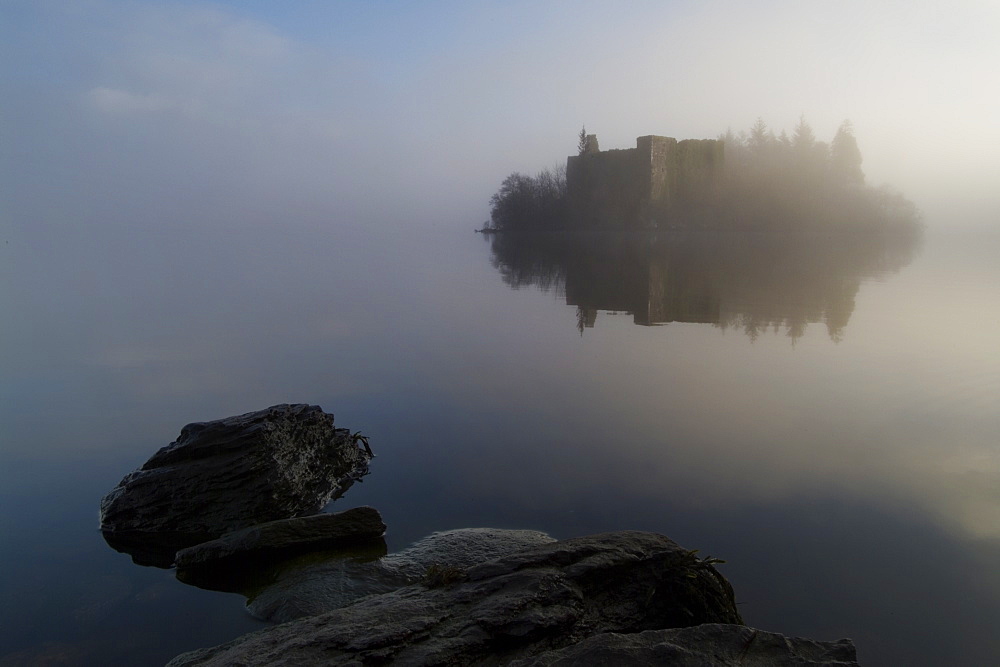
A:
(637, 186)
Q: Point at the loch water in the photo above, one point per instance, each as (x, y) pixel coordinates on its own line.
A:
(820, 412)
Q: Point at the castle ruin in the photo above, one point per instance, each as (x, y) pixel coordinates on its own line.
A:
(640, 186)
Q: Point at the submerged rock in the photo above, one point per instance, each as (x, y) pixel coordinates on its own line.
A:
(543, 598)
(319, 583)
(224, 563)
(219, 476)
(152, 549)
(698, 646)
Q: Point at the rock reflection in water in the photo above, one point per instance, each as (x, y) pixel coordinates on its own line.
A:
(748, 281)
(250, 576)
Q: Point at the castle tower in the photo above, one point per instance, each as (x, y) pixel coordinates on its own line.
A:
(642, 185)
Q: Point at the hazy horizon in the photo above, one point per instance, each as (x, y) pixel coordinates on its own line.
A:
(144, 114)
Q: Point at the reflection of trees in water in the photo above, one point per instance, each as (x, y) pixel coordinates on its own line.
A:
(751, 282)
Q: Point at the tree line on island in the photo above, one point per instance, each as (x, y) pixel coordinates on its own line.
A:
(767, 181)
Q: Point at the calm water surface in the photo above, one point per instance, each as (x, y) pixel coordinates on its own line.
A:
(821, 415)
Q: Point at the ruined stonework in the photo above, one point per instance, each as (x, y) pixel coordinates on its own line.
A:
(640, 186)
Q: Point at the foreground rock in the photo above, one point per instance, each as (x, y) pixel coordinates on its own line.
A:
(283, 537)
(701, 645)
(315, 583)
(545, 598)
(219, 476)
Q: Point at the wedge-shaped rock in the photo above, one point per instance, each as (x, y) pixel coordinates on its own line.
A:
(219, 476)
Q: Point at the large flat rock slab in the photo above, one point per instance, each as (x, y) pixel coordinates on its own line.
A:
(220, 476)
(710, 644)
(315, 584)
(544, 598)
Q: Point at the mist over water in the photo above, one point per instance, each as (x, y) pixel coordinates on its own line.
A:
(210, 209)
(835, 454)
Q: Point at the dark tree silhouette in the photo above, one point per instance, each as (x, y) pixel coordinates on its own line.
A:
(526, 202)
(581, 144)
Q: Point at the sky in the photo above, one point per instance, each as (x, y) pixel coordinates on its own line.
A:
(411, 114)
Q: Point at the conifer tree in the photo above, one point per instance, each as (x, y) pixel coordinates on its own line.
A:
(845, 157)
(760, 136)
(802, 136)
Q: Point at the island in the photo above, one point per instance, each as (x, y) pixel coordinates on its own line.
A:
(754, 180)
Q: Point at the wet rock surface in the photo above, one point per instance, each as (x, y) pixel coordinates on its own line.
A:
(301, 533)
(246, 560)
(314, 585)
(540, 599)
(224, 475)
(698, 646)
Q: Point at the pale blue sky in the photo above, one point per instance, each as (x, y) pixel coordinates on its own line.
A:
(378, 109)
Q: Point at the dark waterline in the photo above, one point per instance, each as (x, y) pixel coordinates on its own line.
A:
(845, 479)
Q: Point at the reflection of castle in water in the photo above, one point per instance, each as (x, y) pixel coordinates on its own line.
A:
(752, 282)
(651, 303)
